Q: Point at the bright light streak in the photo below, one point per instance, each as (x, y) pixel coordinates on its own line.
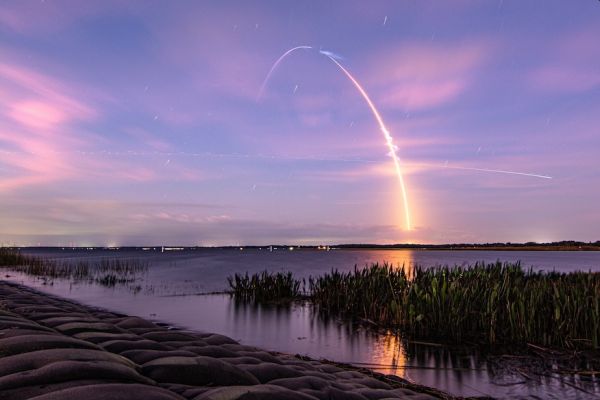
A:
(386, 133)
(135, 153)
(274, 67)
(500, 171)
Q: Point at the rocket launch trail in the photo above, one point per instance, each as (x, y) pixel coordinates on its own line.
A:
(274, 67)
(386, 133)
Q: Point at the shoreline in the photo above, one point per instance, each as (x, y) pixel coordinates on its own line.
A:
(417, 247)
(137, 358)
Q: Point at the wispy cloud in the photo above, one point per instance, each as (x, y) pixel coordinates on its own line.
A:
(573, 66)
(417, 76)
(40, 116)
(30, 17)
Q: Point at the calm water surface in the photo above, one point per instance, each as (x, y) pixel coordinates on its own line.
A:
(175, 290)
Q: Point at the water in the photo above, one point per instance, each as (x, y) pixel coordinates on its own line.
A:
(175, 290)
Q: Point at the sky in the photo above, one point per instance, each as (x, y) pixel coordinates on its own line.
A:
(140, 122)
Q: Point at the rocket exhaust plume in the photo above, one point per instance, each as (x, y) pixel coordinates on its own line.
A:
(331, 54)
(386, 133)
(274, 67)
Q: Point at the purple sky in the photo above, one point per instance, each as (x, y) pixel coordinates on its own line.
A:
(131, 123)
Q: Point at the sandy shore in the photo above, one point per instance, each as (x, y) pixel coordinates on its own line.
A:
(52, 348)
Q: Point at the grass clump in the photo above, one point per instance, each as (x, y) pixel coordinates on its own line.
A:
(106, 271)
(9, 257)
(265, 286)
(484, 303)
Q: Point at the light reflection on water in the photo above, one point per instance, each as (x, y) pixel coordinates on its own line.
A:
(297, 329)
(389, 356)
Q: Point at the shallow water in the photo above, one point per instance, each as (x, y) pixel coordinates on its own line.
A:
(171, 291)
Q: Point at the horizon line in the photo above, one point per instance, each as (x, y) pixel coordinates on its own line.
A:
(337, 245)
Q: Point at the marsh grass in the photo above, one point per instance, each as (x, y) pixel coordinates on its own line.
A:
(483, 303)
(106, 271)
(9, 257)
(265, 287)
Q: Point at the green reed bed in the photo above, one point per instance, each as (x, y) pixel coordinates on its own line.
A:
(265, 286)
(485, 303)
(106, 271)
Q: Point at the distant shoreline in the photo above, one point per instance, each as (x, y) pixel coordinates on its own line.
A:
(484, 248)
(530, 246)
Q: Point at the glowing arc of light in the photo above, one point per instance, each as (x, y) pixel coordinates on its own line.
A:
(274, 67)
(386, 133)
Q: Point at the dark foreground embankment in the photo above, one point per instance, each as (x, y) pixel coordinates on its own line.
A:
(54, 349)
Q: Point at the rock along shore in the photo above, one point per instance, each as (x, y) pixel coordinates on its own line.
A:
(55, 349)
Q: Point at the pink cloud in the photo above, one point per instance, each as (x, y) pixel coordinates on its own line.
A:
(37, 115)
(421, 75)
(37, 160)
(38, 112)
(43, 142)
(180, 217)
(574, 66)
(139, 174)
(422, 95)
(21, 82)
(366, 171)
